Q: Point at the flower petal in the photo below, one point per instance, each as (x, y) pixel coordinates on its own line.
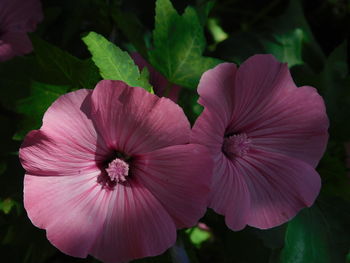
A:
(13, 44)
(136, 226)
(295, 125)
(67, 142)
(6, 51)
(179, 177)
(19, 15)
(230, 195)
(72, 209)
(257, 82)
(276, 114)
(215, 89)
(279, 187)
(209, 130)
(81, 217)
(134, 121)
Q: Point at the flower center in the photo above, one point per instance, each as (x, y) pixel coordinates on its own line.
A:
(118, 170)
(236, 145)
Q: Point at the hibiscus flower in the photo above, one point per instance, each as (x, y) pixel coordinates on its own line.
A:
(266, 136)
(17, 17)
(110, 173)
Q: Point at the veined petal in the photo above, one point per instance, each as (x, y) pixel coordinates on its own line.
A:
(279, 187)
(277, 115)
(216, 87)
(230, 195)
(209, 130)
(257, 82)
(136, 226)
(179, 177)
(67, 142)
(72, 209)
(295, 125)
(134, 121)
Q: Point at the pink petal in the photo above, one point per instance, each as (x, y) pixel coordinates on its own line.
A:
(18, 15)
(179, 177)
(134, 121)
(136, 226)
(72, 209)
(160, 84)
(216, 87)
(230, 194)
(16, 19)
(6, 51)
(67, 143)
(277, 115)
(209, 130)
(82, 218)
(257, 82)
(279, 187)
(14, 44)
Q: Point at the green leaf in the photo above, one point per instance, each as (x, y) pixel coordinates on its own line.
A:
(34, 106)
(334, 83)
(216, 31)
(132, 28)
(203, 9)
(61, 68)
(318, 234)
(306, 240)
(288, 37)
(333, 171)
(293, 39)
(287, 47)
(114, 63)
(198, 236)
(6, 205)
(178, 45)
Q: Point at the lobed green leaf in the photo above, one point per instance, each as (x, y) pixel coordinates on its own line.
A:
(178, 45)
(114, 63)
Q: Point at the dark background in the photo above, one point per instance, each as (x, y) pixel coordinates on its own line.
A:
(311, 35)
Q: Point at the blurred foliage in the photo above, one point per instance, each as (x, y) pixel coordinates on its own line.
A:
(182, 42)
(198, 235)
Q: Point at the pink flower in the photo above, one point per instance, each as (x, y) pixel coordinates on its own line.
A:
(17, 17)
(110, 173)
(266, 137)
(162, 87)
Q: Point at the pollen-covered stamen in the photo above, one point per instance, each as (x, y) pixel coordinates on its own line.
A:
(236, 145)
(118, 170)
